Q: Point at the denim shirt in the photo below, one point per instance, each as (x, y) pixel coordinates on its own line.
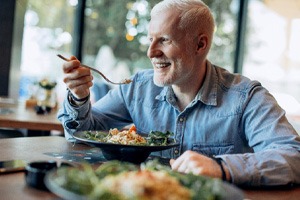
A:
(231, 117)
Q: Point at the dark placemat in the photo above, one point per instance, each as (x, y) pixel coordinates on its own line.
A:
(92, 156)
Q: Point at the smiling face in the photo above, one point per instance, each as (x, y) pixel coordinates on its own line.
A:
(171, 51)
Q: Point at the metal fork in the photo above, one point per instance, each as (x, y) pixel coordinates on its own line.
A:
(125, 81)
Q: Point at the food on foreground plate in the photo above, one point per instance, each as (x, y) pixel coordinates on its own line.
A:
(131, 137)
(116, 180)
(143, 184)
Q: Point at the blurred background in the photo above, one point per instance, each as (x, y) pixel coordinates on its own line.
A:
(256, 38)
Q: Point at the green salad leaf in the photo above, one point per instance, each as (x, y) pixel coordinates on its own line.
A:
(114, 168)
(78, 180)
(96, 135)
(158, 138)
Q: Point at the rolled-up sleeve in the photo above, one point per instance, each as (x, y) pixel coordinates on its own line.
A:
(276, 144)
(265, 168)
(73, 118)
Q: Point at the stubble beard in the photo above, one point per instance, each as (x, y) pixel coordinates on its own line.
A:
(167, 80)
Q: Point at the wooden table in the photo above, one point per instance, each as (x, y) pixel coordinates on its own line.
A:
(20, 117)
(13, 186)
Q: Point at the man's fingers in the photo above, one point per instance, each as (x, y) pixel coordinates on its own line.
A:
(177, 163)
(70, 66)
(172, 161)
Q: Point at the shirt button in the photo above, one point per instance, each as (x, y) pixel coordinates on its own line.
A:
(181, 119)
(176, 151)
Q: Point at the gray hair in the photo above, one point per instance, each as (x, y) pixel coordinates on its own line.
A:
(195, 15)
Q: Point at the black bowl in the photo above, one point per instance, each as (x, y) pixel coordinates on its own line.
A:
(129, 153)
(133, 155)
(35, 173)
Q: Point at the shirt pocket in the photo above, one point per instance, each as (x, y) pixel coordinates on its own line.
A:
(213, 149)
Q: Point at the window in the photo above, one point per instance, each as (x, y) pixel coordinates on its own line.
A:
(48, 29)
(224, 43)
(273, 49)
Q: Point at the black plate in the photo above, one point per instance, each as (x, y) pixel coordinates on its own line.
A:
(122, 152)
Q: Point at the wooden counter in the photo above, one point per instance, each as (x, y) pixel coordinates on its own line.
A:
(17, 116)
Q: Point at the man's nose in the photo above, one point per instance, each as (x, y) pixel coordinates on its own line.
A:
(154, 51)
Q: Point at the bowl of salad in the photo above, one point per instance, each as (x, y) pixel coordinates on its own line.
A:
(127, 145)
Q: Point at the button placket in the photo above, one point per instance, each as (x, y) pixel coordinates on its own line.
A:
(180, 125)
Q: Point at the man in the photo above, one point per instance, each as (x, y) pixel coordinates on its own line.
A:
(213, 113)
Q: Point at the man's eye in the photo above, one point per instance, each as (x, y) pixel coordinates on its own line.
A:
(164, 40)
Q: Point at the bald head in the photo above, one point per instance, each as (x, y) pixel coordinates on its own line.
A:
(195, 16)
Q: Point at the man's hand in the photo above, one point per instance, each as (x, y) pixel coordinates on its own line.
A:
(192, 162)
(77, 79)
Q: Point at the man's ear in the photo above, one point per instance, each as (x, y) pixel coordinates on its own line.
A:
(200, 45)
(202, 42)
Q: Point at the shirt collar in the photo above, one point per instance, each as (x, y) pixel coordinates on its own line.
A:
(207, 93)
(163, 94)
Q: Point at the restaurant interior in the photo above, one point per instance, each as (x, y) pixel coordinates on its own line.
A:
(256, 38)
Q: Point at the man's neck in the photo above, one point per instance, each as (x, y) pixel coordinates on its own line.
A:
(187, 92)
(184, 97)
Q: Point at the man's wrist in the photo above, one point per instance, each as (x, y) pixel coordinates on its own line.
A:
(223, 172)
(74, 101)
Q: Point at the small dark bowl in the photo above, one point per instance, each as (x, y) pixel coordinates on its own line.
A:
(35, 173)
